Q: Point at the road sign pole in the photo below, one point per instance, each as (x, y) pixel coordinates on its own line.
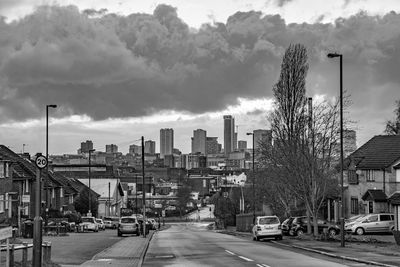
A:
(41, 163)
(37, 230)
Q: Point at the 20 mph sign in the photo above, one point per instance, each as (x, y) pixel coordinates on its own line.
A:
(41, 162)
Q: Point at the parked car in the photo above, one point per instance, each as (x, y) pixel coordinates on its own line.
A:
(371, 223)
(89, 223)
(128, 225)
(153, 223)
(111, 222)
(286, 225)
(267, 226)
(354, 218)
(101, 224)
(299, 226)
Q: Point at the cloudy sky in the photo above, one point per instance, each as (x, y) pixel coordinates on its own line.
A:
(119, 70)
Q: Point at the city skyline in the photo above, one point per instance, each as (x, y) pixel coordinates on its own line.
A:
(112, 89)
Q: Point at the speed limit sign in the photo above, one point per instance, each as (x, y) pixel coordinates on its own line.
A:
(41, 162)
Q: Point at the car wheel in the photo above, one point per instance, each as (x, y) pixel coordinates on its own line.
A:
(291, 233)
(257, 238)
(332, 232)
(360, 231)
(299, 232)
(254, 238)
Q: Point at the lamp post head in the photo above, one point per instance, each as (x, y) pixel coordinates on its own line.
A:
(332, 55)
(51, 106)
(249, 133)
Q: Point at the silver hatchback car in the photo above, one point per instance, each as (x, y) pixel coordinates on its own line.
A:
(267, 226)
(128, 225)
(371, 223)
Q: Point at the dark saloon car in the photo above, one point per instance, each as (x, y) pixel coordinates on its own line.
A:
(299, 226)
(286, 225)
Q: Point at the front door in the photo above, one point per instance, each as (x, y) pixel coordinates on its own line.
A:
(370, 207)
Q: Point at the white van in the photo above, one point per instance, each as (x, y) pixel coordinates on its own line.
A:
(267, 226)
(371, 223)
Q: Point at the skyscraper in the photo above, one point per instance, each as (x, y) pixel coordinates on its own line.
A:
(242, 145)
(111, 148)
(212, 146)
(166, 142)
(150, 147)
(199, 141)
(86, 146)
(229, 134)
(262, 136)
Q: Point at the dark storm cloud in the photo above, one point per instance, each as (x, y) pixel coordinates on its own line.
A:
(120, 66)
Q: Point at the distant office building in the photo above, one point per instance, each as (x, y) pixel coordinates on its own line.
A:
(150, 147)
(86, 146)
(229, 134)
(135, 150)
(242, 145)
(199, 140)
(235, 141)
(111, 148)
(212, 146)
(262, 136)
(166, 142)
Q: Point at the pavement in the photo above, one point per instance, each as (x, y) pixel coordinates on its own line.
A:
(372, 249)
(128, 252)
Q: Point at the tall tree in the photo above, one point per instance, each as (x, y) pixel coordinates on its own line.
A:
(393, 127)
(300, 161)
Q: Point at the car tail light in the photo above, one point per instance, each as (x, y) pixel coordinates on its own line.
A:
(258, 228)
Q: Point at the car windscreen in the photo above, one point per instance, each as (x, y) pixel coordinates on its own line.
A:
(88, 220)
(128, 220)
(268, 220)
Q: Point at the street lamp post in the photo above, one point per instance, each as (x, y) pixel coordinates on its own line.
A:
(254, 180)
(47, 156)
(340, 56)
(90, 190)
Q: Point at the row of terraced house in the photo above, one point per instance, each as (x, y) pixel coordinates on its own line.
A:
(18, 184)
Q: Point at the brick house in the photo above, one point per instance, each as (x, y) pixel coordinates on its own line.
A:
(371, 174)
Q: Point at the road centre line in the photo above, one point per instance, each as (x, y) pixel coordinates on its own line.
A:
(244, 258)
(230, 252)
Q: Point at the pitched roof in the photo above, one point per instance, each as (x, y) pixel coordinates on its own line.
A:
(376, 195)
(379, 152)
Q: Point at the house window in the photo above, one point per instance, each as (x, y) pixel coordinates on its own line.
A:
(71, 199)
(53, 193)
(2, 170)
(370, 175)
(2, 203)
(353, 177)
(61, 192)
(354, 205)
(26, 186)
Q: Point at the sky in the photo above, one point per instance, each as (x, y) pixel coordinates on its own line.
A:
(119, 70)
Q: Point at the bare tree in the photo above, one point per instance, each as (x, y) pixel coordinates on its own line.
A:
(302, 156)
(393, 127)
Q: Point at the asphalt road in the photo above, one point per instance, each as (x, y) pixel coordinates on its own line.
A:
(194, 245)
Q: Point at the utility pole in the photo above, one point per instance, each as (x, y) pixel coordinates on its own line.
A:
(90, 190)
(144, 191)
(109, 199)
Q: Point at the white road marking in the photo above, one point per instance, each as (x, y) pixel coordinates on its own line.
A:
(259, 265)
(230, 252)
(244, 258)
(264, 265)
